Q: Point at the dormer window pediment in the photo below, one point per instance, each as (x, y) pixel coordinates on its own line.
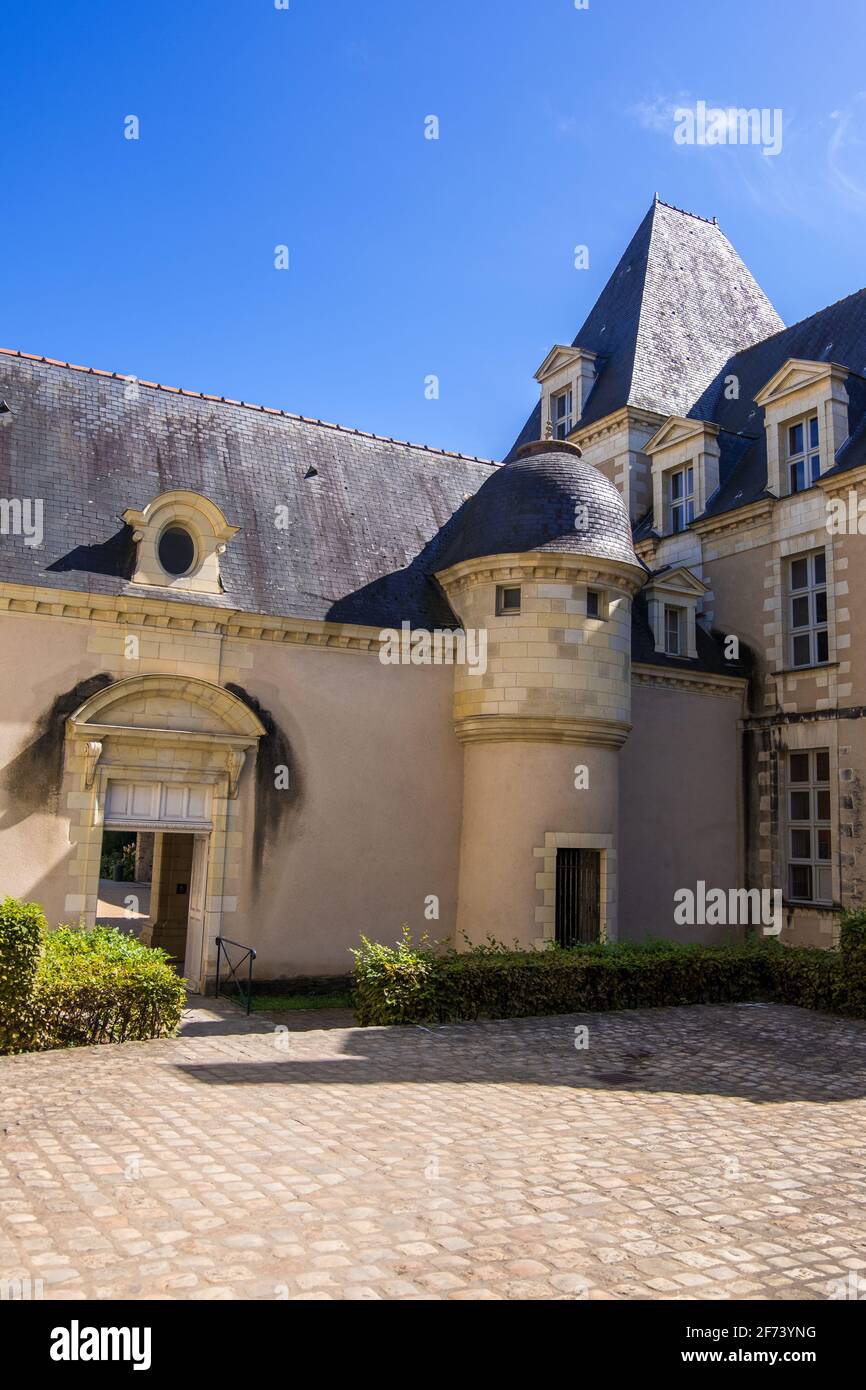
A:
(672, 600)
(805, 408)
(685, 471)
(566, 377)
(179, 538)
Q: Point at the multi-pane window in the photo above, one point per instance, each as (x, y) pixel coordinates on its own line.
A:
(804, 460)
(807, 609)
(682, 495)
(561, 414)
(508, 598)
(808, 792)
(673, 630)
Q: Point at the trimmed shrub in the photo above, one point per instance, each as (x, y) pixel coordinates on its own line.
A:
(852, 947)
(97, 986)
(592, 978)
(809, 977)
(415, 984)
(70, 987)
(22, 929)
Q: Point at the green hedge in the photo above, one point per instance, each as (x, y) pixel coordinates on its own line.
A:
(73, 987)
(410, 983)
(101, 986)
(22, 930)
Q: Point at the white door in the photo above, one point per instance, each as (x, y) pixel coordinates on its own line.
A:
(195, 917)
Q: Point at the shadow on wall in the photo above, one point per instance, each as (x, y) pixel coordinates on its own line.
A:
(279, 791)
(32, 779)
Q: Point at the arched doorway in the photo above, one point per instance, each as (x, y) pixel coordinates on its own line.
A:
(163, 755)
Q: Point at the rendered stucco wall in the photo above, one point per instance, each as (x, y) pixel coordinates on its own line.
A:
(371, 823)
(678, 808)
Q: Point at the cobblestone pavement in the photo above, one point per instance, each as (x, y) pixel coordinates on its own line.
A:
(687, 1153)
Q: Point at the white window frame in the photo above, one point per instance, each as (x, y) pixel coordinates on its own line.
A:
(562, 424)
(811, 594)
(681, 508)
(671, 609)
(808, 459)
(815, 825)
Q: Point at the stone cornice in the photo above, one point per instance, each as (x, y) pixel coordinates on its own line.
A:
(696, 682)
(185, 617)
(526, 728)
(545, 566)
(736, 519)
(841, 482)
(620, 419)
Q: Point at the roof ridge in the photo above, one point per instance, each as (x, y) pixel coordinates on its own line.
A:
(246, 405)
(711, 221)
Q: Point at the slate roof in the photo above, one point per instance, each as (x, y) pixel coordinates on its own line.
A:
(372, 519)
(366, 514)
(676, 307)
(835, 334)
(531, 504)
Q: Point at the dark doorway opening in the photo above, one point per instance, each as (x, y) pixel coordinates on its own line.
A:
(578, 896)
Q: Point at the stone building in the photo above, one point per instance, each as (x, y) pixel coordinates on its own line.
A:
(331, 682)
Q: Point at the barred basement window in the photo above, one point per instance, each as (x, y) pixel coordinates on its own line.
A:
(578, 896)
(807, 609)
(808, 793)
(508, 598)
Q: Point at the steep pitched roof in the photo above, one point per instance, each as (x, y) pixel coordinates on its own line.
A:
(676, 307)
(835, 334)
(366, 515)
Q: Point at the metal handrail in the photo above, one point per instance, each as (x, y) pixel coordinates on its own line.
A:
(249, 955)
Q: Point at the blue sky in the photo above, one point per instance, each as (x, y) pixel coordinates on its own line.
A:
(408, 257)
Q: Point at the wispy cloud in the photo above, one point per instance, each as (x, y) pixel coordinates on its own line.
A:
(658, 113)
(845, 149)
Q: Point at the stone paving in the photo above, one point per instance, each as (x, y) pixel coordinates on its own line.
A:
(713, 1152)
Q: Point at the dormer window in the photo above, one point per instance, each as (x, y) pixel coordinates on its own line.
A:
(804, 459)
(672, 597)
(805, 407)
(682, 498)
(561, 414)
(685, 471)
(566, 377)
(180, 538)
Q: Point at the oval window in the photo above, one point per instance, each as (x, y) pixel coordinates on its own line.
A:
(176, 550)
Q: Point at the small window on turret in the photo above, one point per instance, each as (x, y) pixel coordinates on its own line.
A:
(508, 598)
(595, 605)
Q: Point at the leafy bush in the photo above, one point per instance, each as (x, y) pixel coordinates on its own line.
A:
(100, 986)
(22, 929)
(395, 984)
(416, 984)
(71, 987)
